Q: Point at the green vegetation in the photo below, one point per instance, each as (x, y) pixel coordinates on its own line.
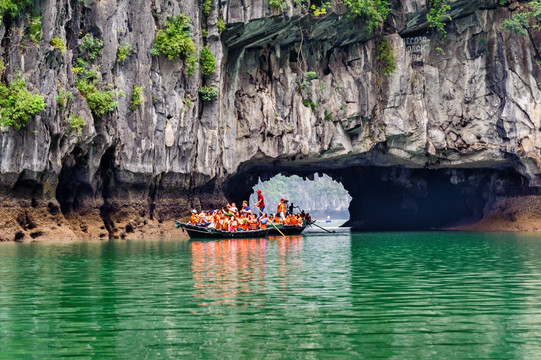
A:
(176, 40)
(12, 7)
(373, 12)
(188, 102)
(310, 104)
(137, 97)
(437, 15)
(310, 75)
(58, 44)
(207, 5)
(92, 46)
(123, 52)
(520, 23)
(2, 66)
(76, 123)
(100, 102)
(208, 62)
(63, 98)
(17, 104)
(321, 10)
(204, 33)
(385, 56)
(277, 4)
(208, 93)
(221, 25)
(34, 29)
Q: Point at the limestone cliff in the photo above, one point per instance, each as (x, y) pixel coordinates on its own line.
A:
(469, 101)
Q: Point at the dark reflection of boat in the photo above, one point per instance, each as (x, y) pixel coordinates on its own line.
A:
(201, 232)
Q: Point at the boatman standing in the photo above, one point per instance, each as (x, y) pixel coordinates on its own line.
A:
(260, 203)
(281, 209)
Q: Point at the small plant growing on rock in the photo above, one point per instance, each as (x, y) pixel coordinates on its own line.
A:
(17, 104)
(520, 23)
(92, 46)
(310, 75)
(277, 4)
(208, 93)
(76, 124)
(63, 98)
(207, 5)
(188, 102)
(385, 56)
(137, 97)
(208, 61)
(34, 29)
(176, 41)
(373, 12)
(437, 15)
(123, 52)
(221, 25)
(58, 44)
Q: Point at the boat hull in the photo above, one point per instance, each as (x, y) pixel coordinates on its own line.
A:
(200, 232)
(286, 229)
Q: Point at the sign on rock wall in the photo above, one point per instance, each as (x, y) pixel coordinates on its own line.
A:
(417, 48)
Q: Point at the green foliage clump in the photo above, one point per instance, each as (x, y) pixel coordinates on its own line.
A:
(277, 4)
(208, 61)
(12, 7)
(137, 97)
(207, 5)
(204, 33)
(17, 104)
(99, 101)
(63, 98)
(92, 46)
(520, 23)
(76, 123)
(310, 104)
(221, 25)
(123, 52)
(373, 12)
(310, 75)
(176, 40)
(385, 56)
(208, 93)
(58, 44)
(437, 15)
(34, 29)
(321, 10)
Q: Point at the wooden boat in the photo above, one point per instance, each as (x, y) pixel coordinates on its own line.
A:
(201, 232)
(286, 229)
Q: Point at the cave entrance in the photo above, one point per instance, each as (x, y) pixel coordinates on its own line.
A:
(393, 198)
(321, 196)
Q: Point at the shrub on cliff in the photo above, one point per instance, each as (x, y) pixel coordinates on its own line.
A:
(208, 93)
(373, 12)
(12, 7)
(208, 61)
(17, 104)
(176, 41)
(76, 124)
(520, 23)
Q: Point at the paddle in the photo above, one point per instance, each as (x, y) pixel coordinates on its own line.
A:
(314, 223)
(272, 222)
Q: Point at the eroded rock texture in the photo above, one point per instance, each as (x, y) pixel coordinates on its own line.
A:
(472, 101)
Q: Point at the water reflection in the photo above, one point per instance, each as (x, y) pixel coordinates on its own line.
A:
(234, 272)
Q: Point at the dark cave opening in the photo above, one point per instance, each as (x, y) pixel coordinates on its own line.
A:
(398, 199)
(73, 183)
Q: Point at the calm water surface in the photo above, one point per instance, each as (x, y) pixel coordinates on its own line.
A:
(365, 296)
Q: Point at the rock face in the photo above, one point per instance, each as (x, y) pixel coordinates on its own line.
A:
(470, 101)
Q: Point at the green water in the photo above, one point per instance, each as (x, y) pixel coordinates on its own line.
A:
(362, 296)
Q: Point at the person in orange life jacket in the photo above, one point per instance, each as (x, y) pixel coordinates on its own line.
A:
(260, 203)
(281, 209)
(252, 222)
(203, 219)
(194, 218)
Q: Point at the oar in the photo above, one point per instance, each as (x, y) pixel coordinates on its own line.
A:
(330, 232)
(272, 222)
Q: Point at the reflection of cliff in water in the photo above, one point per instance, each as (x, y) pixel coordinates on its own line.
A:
(234, 272)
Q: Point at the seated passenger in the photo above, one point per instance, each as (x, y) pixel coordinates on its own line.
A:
(246, 211)
(263, 221)
(194, 218)
(252, 222)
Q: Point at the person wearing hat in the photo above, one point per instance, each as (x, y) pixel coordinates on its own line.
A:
(281, 209)
(260, 204)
